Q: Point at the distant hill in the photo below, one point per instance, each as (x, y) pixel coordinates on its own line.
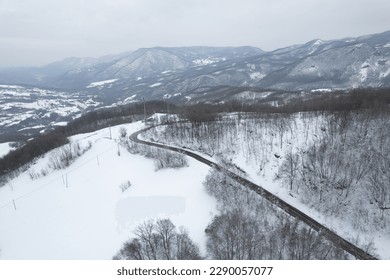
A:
(215, 74)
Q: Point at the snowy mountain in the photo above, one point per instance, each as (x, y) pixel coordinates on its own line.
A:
(164, 73)
(74, 207)
(351, 63)
(147, 62)
(184, 75)
(191, 75)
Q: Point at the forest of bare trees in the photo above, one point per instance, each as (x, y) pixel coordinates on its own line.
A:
(248, 227)
(335, 162)
(159, 240)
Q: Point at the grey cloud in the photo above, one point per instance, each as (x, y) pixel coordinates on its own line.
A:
(35, 32)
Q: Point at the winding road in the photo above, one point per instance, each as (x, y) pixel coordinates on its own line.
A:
(329, 234)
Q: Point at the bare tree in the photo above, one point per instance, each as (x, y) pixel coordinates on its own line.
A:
(132, 250)
(149, 239)
(289, 169)
(234, 236)
(379, 183)
(186, 249)
(166, 230)
(159, 241)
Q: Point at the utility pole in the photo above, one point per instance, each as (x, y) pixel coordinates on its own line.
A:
(144, 109)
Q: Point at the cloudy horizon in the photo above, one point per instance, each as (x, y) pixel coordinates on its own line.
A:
(37, 32)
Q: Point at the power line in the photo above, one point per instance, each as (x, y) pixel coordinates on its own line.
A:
(61, 177)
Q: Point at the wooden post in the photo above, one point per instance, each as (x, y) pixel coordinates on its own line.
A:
(97, 159)
(66, 179)
(14, 203)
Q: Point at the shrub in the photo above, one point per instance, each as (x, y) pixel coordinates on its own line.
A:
(167, 159)
(125, 186)
(66, 155)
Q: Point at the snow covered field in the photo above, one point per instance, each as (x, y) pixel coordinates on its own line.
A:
(5, 148)
(81, 212)
(101, 83)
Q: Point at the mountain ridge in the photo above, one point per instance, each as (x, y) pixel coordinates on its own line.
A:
(180, 74)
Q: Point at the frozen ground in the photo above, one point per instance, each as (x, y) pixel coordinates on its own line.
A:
(81, 212)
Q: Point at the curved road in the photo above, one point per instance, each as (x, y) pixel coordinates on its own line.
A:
(330, 235)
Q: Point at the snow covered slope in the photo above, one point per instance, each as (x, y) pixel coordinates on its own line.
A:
(25, 109)
(260, 147)
(5, 148)
(82, 213)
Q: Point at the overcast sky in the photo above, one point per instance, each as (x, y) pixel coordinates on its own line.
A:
(36, 32)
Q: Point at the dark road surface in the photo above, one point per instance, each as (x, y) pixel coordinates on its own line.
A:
(330, 235)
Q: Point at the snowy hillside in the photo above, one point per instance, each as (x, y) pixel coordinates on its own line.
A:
(5, 148)
(101, 83)
(26, 109)
(86, 198)
(281, 154)
(192, 71)
(85, 212)
(188, 75)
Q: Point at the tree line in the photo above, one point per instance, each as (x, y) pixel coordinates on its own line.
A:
(367, 99)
